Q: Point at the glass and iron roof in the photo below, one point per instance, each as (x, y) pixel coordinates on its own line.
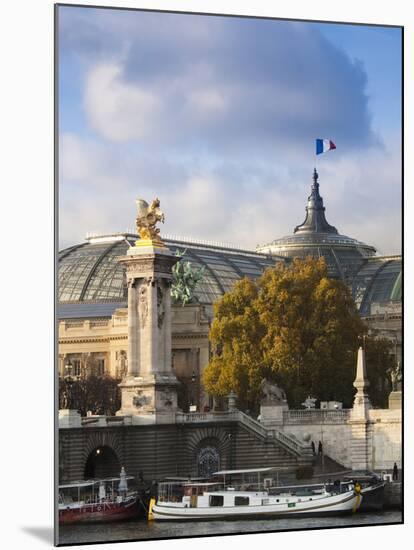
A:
(92, 281)
(90, 272)
(378, 281)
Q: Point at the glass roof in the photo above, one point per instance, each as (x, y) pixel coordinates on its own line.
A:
(90, 274)
(378, 280)
(91, 271)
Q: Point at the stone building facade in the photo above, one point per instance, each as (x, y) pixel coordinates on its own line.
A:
(103, 343)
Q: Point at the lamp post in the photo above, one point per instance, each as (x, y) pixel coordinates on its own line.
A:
(69, 383)
(395, 351)
(192, 392)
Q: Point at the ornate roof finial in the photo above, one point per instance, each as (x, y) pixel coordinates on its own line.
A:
(315, 221)
(315, 177)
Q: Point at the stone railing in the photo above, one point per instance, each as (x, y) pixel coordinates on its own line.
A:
(188, 418)
(100, 323)
(316, 416)
(286, 440)
(290, 441)
(253, 424)
(73, 324)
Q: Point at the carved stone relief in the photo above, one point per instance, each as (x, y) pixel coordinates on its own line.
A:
(122, 364)
(140, 399)
(160, 306)
(143, 304)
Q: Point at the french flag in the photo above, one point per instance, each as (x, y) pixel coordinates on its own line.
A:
(323, 145)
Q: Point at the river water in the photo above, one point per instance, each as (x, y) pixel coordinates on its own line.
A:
(143, 530)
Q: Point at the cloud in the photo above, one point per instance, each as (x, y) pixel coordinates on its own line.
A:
(220, 83)
(217, 117)
(245, 204)
(117, 110)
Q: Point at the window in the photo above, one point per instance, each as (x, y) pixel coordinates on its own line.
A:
(241, 501)
(216, 500)
(76, 367)
(100, 367)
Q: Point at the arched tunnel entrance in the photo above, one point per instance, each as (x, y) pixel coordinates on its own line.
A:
(102, 462)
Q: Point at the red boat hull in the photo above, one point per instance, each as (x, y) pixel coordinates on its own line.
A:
(101, 512)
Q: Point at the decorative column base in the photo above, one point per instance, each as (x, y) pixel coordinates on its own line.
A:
(395, 400)
(361, 445)
(69, 418)
(149, 400)
(271, 414)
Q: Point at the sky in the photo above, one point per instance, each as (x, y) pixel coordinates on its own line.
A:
(217, 116)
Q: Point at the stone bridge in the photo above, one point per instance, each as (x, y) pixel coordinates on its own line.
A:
(196, 444)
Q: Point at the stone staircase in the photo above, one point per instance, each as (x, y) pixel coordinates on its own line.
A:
(288, 442)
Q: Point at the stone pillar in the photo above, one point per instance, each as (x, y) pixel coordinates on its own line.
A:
(133, 353)
(69, 418)
(232, 401)
(361, 427)
(271, 412)
(62, 361)
(149, 390)
(395, 400)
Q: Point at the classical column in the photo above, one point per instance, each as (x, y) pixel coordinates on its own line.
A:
(133, 367)
(149, 391)
(167, 330)
(62, 359)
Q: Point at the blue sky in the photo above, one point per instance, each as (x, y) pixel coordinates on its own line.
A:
(218, 116)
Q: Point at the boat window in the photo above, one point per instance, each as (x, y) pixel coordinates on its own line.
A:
(216, 500)
(241, 501)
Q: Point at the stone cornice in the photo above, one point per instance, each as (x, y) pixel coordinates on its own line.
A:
(83, 340)
(109, 338)
(186, 336)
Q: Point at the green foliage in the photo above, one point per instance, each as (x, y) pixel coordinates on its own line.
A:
(185, 279)
(236, 330)
(293, 325)
(379, 360)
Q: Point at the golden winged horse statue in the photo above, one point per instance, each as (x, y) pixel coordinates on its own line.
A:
(148, 215)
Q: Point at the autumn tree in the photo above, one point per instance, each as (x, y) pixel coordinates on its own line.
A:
(236, 334)
(380, 359)
(294, 325)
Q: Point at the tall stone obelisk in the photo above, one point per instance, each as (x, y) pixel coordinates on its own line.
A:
(361, 426)
(149, 390)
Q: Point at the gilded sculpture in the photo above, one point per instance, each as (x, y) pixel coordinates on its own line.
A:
(148, 215)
